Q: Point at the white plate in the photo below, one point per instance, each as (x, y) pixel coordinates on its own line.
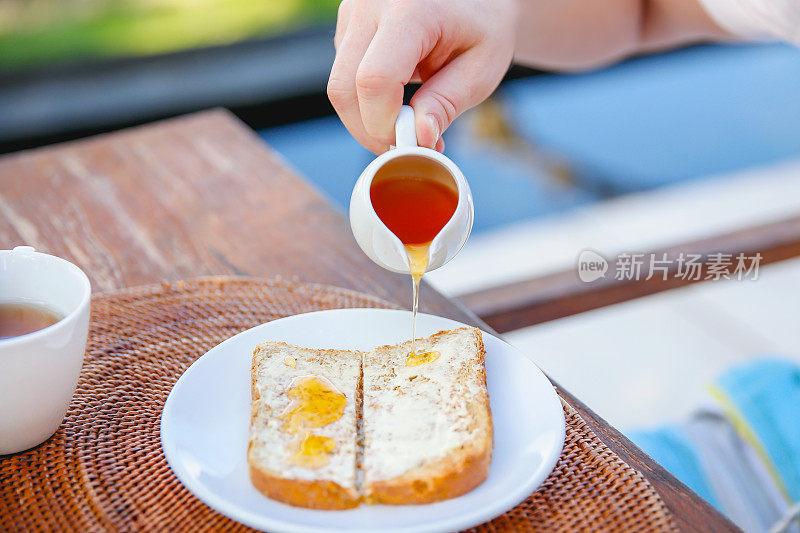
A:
(204, 428)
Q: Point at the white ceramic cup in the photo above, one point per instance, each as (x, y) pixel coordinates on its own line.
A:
(39, 371)
(372, 235)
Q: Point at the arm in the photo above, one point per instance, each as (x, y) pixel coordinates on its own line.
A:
(580, 34)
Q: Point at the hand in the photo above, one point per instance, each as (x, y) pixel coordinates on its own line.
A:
(458, 49)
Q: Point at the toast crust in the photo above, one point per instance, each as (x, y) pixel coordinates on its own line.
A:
(448, 479)
(436, 336)
(302, 493)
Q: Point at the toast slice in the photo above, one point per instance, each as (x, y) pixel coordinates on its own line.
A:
(303, 423)
(426, 420)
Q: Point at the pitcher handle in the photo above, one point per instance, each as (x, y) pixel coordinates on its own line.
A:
(405, 129)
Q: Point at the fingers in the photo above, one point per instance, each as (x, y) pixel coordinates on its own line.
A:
(461, 84)
(342, 86)
(388, 65)
(342, 19)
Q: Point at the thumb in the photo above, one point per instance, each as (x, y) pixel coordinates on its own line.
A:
(461, 84)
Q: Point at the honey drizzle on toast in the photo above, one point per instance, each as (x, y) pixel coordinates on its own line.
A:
(416, 359)
(316, 402)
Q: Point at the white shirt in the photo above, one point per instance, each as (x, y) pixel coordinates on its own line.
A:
(758, 19)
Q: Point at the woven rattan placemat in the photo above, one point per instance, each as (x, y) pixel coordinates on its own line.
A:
(104, 468)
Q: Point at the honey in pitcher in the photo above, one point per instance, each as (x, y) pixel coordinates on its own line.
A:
(415, 202)
(415, 209)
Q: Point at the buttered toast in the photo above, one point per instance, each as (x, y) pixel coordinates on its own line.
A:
(331, 428)
(427, 422)
(303, 422)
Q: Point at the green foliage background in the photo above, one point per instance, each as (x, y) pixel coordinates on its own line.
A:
(33, 32)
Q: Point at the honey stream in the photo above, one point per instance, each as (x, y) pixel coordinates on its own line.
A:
(418, 257)
(415, 209)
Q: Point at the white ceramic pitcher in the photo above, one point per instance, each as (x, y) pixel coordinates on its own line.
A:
(372, 235)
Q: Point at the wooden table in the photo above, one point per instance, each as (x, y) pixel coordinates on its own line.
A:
(203, 195)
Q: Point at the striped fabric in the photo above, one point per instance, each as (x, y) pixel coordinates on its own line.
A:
(741, 449)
